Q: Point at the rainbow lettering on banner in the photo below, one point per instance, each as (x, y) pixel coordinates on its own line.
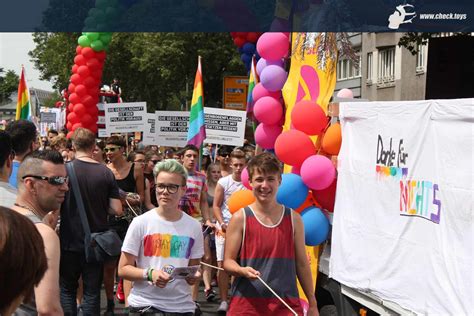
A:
(418, 198)
(166, 246)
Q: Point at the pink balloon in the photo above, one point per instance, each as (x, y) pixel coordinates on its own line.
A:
(266, 135)
(268, 110)
(273, 78)
(273, 46)
(259, 91)
(262, 63)
(318, 172)
(345, 93)
(244, 176)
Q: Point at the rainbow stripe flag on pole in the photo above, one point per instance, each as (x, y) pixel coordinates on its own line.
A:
(253, 81)
(197, 128)
(23, 101)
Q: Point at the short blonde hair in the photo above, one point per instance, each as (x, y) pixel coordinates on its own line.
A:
(171, 166)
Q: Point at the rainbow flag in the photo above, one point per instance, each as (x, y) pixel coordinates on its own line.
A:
(23, 101)
(197, 129)
(253, 80)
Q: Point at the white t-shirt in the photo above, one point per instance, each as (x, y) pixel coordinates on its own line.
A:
(161, 244)
(230, 186)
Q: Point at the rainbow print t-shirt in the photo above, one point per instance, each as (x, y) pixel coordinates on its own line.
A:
(160, 244)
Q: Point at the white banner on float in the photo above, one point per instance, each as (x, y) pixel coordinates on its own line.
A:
(125, 117)
(171, 128)
(149, 133)
(225, 127)
(403, 224)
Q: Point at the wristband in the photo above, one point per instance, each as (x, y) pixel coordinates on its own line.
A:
(150, 275)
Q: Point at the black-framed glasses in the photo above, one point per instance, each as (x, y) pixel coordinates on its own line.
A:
(155, 161)
(111, 149)
(171, 188)
(55, 180)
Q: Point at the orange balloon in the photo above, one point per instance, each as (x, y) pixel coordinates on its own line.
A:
(332, 139)
(240, 199)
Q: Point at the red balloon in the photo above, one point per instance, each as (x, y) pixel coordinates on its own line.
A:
(81, 90)
(76, 126)
(74, 98)
(79, 109)
(87, 120)
(96, 73)
(69, 135)
(240, 34)
(79, 60)
(69, 125)
(78, 49)
(88, 52)
(72, 118)
(327, 197)
(293, 147)
(239, 41)
(71, 88)
(87, 100)
(83, 71)
(309, 117)
(252, 37)
(90, 82)
(100, 55)
(93, 63)
(93, 111)
(233, 34)
(74, 68)
(76, 79)
(93, 128)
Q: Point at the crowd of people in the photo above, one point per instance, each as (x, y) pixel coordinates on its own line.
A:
(169, 207)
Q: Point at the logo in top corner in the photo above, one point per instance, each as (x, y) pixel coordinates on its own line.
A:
(401, 16)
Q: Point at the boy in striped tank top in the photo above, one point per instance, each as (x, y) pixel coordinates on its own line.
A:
(266, 240)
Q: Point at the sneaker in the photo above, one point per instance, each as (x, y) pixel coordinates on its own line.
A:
(210, 295)
(197, 311)
(119, 294)
(223, 307)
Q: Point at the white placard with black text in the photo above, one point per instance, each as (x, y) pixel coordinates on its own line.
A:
(225, 127)
(125, 117)
(171, 128)
(150, 130)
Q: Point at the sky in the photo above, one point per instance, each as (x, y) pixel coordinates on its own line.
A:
(14, 48)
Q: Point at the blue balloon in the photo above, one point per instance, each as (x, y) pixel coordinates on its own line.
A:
(316, 226)
(249, 48)
(246, 58)
(292, 191)
(241, 50)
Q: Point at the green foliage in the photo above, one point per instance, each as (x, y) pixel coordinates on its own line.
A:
(158, 68)
(8, 84)
(54, 55)
(412, 41)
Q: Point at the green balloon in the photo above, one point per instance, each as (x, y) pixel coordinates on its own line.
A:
(97, 45)
(84, 41)
(93, 36)
(106, 38)
(101, 4)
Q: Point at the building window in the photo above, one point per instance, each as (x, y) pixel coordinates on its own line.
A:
(347, 70)
(421, 59)
(386, 66)
(369, 67)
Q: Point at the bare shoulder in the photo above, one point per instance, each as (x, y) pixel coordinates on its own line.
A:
(48, 234)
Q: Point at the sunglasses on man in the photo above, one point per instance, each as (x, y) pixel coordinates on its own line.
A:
(55, 180)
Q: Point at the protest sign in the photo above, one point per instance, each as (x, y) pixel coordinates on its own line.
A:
(125, 117)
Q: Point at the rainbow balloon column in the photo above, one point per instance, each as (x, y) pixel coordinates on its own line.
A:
(268, 108)
(246, 44)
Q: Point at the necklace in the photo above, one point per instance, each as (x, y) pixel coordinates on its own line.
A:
(31, 210)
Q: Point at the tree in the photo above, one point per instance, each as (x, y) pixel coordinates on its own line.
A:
(8, 84)
(158, 68)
